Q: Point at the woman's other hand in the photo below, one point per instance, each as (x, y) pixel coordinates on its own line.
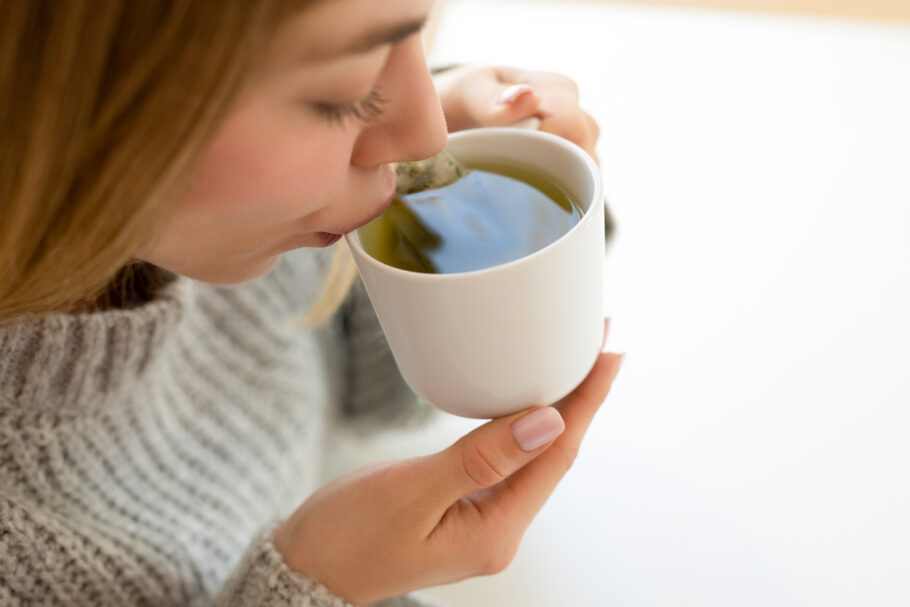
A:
(391, 528)
(476, 96)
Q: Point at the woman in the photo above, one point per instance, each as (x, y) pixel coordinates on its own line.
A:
(171, 175)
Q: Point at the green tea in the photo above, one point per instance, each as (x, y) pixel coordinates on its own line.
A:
(495, 214)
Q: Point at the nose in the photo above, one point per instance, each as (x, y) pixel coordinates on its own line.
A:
(412, 126)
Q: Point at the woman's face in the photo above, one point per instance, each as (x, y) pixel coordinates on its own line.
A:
(304, 155)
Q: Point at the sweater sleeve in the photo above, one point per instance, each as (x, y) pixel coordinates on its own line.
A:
(264, 580)
(375, 389)
(45, 561)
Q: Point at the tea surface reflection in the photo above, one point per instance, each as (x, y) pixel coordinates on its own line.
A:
(493, 215)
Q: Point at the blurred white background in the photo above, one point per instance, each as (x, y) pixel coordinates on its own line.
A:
(755, 450)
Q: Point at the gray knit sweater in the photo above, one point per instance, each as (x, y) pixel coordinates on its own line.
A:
(147, 454)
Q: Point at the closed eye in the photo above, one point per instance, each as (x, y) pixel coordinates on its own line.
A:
(365, 110)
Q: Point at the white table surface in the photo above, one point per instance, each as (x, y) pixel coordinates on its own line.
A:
(755, 450)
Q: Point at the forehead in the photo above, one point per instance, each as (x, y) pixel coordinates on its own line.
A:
(330, 29)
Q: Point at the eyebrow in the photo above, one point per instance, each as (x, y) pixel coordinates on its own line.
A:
(380, 36)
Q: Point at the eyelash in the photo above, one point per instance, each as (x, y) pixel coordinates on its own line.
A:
(364, 110)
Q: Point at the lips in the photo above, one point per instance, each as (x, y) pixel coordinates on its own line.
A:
(383, 205)
(327, 239)
(382, 208)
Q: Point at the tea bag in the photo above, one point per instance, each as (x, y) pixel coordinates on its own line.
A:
(440, 170)
(435, 172)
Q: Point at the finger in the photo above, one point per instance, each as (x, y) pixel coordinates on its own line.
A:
(514, 103)
(593, 128)
(538, 79)
(525, 492)
(495, 450)
(594, 136)
(594, 157)
(568, 123)
(491, 453)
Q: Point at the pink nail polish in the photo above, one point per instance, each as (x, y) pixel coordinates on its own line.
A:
(514, 92)
(537, 428)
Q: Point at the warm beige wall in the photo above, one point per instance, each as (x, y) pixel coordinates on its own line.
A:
(873, 9)
(864, 9)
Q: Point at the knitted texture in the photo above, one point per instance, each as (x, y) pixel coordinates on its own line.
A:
(145, 454)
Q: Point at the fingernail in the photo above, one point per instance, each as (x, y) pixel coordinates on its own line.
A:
(537, 428)
(514, 92)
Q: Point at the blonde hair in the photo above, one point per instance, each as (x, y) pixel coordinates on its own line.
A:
(108, 104)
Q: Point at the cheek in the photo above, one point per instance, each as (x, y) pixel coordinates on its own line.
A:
(260, 169)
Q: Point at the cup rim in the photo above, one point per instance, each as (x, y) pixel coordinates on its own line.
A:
(354, 243)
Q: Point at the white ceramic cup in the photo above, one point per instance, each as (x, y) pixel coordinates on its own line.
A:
(495, 341)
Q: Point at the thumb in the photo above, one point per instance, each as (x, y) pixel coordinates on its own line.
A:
(496, 450)
(514, 103)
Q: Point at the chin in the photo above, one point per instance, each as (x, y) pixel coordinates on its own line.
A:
(233, 274)
(254, 271)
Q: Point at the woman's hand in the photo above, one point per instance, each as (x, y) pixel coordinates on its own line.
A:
(392, 528)
(475, 96)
